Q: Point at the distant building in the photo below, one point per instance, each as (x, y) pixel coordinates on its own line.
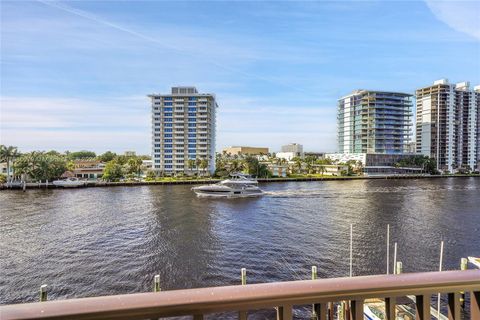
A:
(374, 122)
(448, 122)
(318, 155)
(242, 150)
(277, 170)
(183, 128)
(375, 163)
(291, 151)
(88, 169)
(130, 153)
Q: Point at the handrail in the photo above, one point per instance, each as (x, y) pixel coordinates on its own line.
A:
(248, 297)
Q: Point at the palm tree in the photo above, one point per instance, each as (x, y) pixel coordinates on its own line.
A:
(190, 164)
(321, 168)
(8, 154)
(204, 164)
(197, 164)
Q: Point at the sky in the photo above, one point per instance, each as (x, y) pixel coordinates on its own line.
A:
(75, 75)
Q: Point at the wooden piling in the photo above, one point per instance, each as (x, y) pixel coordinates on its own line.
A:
(242, 315)
(399, 267)
(156, 283)
(43, 293)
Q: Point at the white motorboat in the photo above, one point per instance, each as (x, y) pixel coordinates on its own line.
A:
(239, 185)
(68, 183)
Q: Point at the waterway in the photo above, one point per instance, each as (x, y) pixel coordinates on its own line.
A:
(100, 241)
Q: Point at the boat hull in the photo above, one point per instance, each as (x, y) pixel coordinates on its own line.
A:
(227, 193)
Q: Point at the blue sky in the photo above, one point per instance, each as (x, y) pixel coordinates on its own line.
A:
(75, 74)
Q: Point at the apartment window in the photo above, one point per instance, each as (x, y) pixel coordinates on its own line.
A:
(192, 135)
(168, 146)
(157, 160)
(168, 114)
(157, 166)
(156, 119)
(192, 98)
(157, 145)
(191, 146)
(168, 151)
(167, 135)
(167, 109)
(191, 109)
(157, 140)
(192, 130)
(192, 140)
(168, 156)
(157, 113)
(192, 151)
(167, 103)
(167, 98)
(192, 124)
(157, 156)
(179, 155)
(168, 161)
(168, 166)
(179, 167)
(192, 103)
(168, 125)
(167, 140)
(157, 129)
(191, 114)
(192, 119)
(157, 150)
(168, 120)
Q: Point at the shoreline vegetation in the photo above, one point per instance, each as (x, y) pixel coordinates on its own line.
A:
(182, 181)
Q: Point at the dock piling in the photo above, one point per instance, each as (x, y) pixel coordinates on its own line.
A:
(243, 273)
(398, 267)
(43, 293)
(156, 283)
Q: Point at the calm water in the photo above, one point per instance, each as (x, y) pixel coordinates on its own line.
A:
(99, 241)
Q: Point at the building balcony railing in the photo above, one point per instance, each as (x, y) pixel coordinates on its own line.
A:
(282, 296)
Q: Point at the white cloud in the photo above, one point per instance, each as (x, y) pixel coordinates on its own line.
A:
(40, 123)
(463, 16)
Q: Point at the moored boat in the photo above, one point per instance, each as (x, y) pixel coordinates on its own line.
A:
(239, 185)
(69, 183)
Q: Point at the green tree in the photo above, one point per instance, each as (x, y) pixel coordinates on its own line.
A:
(134, 165)
(113, 171)
(41, 166)
(190, 164)
(107, 156)
(84, 154)
(204, 165)
(198, 161)
(8, 155)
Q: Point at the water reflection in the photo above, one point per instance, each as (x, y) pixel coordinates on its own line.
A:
(90, 242)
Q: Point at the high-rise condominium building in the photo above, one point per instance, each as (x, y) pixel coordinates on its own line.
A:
(183, 128)
(448, 122)
(374, 122)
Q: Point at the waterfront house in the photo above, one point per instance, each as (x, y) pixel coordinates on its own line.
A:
(88, 169)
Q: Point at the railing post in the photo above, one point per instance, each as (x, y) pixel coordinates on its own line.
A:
(314, 306)
(454, 306)
(475, 305)
(463, 266)
(422, 307)
(321, 311)
(331, 311)
(390, 309)
(356, 309)
(284, 312)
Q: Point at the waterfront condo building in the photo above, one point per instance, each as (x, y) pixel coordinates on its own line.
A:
(183, 128)
(448, 121)
(374, 122)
